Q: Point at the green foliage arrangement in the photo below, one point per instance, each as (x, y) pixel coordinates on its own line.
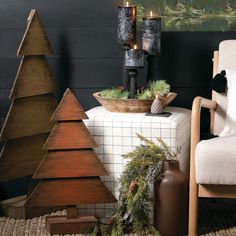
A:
(132, 214)
(155, 87)
(114, 93)
(159, 87)
(144, 94)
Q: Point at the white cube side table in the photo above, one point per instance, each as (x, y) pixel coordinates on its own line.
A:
(115, 134)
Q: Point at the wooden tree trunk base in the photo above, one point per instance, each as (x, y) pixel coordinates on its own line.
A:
(63, 225)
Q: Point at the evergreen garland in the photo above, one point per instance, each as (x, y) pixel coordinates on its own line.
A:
(144, 167)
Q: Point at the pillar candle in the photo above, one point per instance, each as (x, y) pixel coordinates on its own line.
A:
(134, 58)
(151, 37)
(126, 31)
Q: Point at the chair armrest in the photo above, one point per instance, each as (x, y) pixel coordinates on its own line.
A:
(199, 103)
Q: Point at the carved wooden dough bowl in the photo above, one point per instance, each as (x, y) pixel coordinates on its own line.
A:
(131, 105)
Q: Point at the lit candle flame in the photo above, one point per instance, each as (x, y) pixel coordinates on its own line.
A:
(135, 46)
(127, 4)
(151, 14)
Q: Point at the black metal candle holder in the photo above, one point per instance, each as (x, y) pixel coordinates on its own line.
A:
(151, 72)
(134, 59)
(151, 39)
(133, 73)
(125, 80)
(126, 34)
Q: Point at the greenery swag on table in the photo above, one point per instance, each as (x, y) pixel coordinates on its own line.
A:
(144, 167)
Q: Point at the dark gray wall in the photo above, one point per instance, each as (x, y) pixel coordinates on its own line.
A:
(88, 59)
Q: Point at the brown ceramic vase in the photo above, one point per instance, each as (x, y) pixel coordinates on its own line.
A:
(170, 208)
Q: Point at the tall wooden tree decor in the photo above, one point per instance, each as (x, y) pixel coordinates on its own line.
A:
(69, 173)
(27, 124)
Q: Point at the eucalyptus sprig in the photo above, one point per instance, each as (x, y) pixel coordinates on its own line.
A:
(144, 167)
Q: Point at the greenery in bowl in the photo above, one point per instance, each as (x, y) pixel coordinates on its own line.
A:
(144, 167)
(159, 87)
(114, 93)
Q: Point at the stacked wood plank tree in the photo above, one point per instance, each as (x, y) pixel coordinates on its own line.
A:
(27, 124)
(69, 173)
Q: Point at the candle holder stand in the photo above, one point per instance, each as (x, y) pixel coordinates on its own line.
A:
(125, 79)
(133, 73)
(151, 72)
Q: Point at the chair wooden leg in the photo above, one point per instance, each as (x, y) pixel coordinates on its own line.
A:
(193, 209)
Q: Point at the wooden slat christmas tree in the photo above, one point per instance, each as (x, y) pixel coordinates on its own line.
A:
(69, 173)
(27, 124)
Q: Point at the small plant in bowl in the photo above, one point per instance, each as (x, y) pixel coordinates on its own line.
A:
(159, 87)
(114, 93)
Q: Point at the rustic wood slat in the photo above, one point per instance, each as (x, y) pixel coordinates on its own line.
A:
(69, 163)
(69, 135)
(34, 77)
(29, 116)
(69, 109)
(20, 157)
(35, 40)
(62, 192)
(64, 225)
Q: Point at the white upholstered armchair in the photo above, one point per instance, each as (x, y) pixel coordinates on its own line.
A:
(213, 161)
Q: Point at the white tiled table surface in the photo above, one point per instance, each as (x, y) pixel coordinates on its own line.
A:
(115, 134)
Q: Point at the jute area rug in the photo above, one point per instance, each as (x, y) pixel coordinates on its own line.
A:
(216, 218)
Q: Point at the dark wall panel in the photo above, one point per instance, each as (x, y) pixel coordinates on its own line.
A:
(67, 43)
(63, 13)
(4, 102)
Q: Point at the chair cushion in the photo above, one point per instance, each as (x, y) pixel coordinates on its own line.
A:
(215, 161)
(227, 60)
(230, 120)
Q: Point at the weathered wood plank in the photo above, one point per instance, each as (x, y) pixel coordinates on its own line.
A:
(34, 77)
(75, 163)
(69, 109)
(63, 225)
(20, 157)
(35, 40)
(29, 116)
(49, 192)
(69, 135)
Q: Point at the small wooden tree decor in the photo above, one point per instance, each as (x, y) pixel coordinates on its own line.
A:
(69, 173)
(27, 124)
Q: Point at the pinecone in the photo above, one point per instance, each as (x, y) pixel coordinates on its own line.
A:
(156, 106)
(132, 186)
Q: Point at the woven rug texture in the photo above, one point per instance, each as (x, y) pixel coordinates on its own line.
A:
(216, 218)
